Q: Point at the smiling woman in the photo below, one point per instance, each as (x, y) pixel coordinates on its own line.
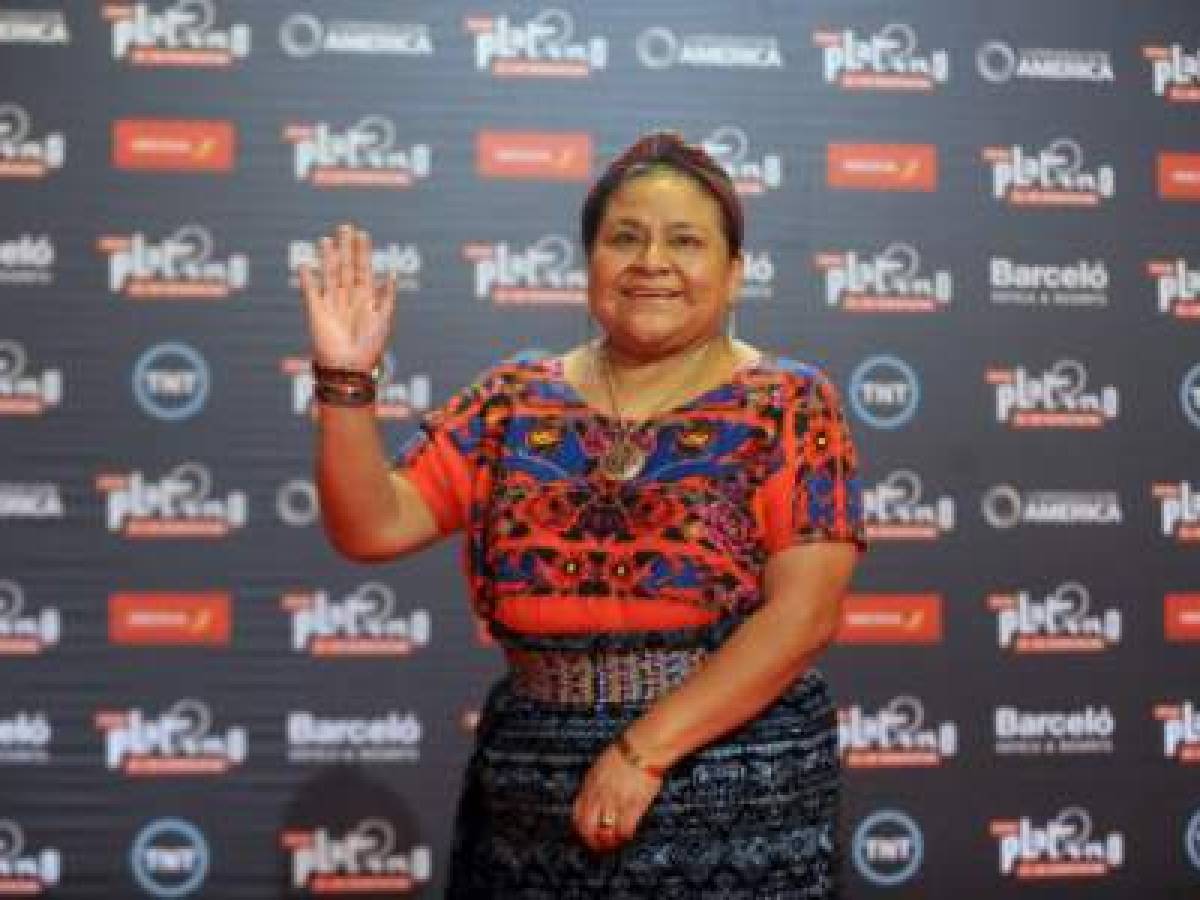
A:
(660, 527)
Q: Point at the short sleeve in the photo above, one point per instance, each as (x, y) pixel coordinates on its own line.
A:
(443, 457)
(816, 493)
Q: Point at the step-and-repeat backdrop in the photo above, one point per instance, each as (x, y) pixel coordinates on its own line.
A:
(980, 218)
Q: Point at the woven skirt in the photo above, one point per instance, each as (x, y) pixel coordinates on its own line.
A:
(752, 816)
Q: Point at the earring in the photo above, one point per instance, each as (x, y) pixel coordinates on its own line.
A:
(731, 324)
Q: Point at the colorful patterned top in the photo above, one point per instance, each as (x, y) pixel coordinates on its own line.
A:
(555, 548)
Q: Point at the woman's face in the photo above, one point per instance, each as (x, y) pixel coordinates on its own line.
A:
(660, 277)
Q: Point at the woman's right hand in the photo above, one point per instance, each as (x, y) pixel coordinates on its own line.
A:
(349, 311)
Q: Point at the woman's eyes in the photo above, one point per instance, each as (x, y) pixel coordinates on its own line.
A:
(626, 238)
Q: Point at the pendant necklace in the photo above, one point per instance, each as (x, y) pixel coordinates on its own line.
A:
(624, 460)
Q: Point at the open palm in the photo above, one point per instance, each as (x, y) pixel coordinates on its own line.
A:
(349, 309)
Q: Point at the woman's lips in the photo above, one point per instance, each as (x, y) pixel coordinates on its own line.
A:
(650, 293)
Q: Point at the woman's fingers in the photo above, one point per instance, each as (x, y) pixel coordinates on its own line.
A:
(363, 277)
(329, 263)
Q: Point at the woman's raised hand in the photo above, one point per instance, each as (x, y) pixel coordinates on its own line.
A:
(349, 310)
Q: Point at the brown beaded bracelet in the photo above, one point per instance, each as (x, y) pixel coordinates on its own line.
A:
(344, 387)
(635, 759)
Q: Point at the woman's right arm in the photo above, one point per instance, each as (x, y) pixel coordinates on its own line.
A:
(370, 511)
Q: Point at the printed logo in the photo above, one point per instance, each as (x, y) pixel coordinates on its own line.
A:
(553, 156)
(882, 167)
(896, 737)
(303, 35)
(1177, 287)
(889, 281)
(296, 503)
(1004, 506)
(386, 738)
(399, 261)
(888, 847)
(1191, 840)
(1189, 395)
(180, 35)
(1080, 284)
(1179, 176)
(1079, 732)
(1055, 399)
(999, 62)
(169, 858)
(180, 266)
(1052, 177)
(25, 739)
(891, 619)
(894, 510)
(884, 391)
(171, 381)
(24, 393)
(21, 154)
(544, 273)
(173, 145)
(27, 260)
(1175, 73)
(366, 154)
(30, 500)
(1062, 622)
(366, 858)
(730, 147)
(1065, 847)
(181, 741)
(661, 48)
(159, 618)
(758, 275)
(543, 47)
(395, 399)
(364, 623)
(180, 504)
(33, 26)
(28, 634)
(885, 61)
(25, 873)
(1181, 617)
(1179, 511)
(1181, 731)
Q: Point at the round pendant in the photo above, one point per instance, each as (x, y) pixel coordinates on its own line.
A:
(623, 461)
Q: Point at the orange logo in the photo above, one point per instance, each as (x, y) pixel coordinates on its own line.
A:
(558, 156)
(882, 167)
(149, 618)
(891, 619)
(1181, 617)
(1179, 176)
(173, 145)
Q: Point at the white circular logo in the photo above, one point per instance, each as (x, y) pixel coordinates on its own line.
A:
(1002, 506)
(296, 502)
(997, 62)
(884, 391)
(888, 847)
(657, 48)
(1189, 395)
(301, 35)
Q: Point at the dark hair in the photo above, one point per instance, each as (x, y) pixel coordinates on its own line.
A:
(656, 151)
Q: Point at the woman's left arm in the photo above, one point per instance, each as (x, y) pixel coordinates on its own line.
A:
(803, 587)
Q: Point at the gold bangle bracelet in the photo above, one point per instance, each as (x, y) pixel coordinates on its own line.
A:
(635, 759)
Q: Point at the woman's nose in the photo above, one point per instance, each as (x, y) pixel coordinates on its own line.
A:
(653, 256)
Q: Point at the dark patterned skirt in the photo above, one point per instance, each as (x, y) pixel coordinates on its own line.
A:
(749, 817)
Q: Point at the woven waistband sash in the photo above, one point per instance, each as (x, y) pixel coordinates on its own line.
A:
(580, 678)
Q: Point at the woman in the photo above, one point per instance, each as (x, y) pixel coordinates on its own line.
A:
(660, 526)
